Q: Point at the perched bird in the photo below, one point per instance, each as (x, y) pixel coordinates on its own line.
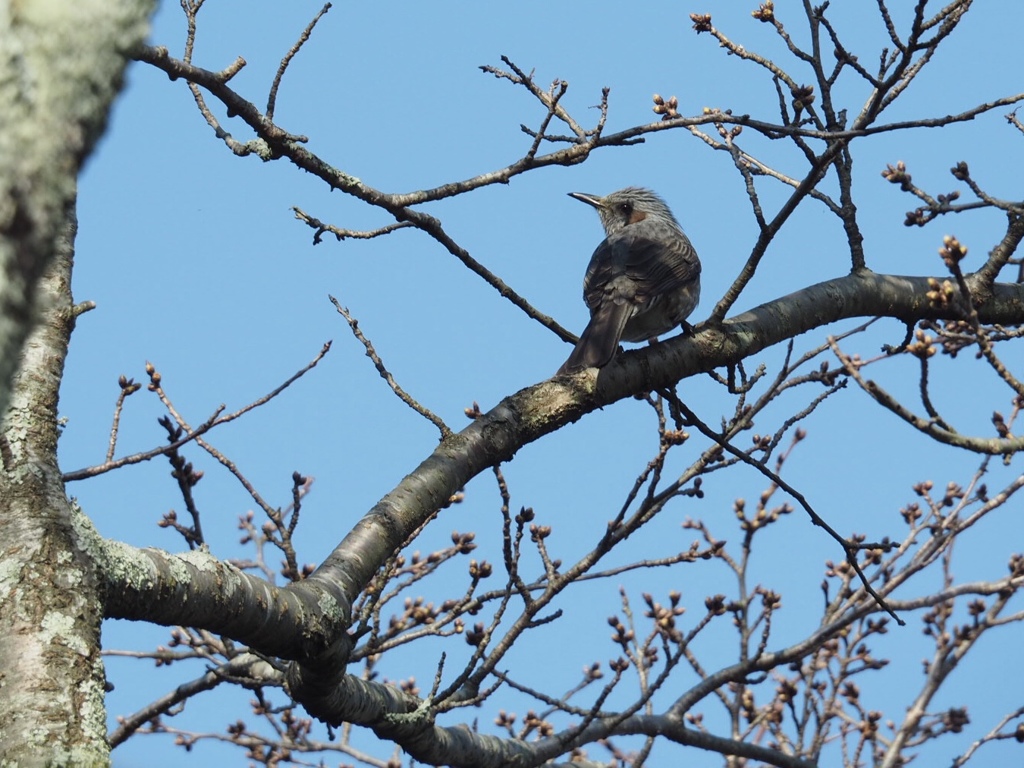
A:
(642, 281)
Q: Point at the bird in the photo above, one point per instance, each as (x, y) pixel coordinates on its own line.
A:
(642, 281)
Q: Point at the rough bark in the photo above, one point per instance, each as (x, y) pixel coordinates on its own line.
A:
(51, 673)
(61, 65)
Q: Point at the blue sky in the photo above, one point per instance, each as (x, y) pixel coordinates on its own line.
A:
(197, 264)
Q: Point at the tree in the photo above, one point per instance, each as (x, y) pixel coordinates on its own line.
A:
(742, 397)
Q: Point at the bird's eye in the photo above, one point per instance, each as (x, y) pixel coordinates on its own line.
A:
(625, 208)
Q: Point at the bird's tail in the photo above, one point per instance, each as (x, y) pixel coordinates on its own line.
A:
(600, 339)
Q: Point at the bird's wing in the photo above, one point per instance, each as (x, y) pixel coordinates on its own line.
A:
(600, 339)
(630, 272)
(635, 265)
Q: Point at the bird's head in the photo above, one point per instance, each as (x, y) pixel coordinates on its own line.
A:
(627, 206)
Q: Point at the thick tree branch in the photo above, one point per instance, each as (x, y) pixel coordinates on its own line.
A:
(494, 437)
(301, 620)
(542, 408)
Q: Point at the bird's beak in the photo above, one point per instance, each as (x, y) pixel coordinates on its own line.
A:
(583, 197)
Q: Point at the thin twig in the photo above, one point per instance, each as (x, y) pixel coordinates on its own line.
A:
(371, 353)
(342, 234)
(850, 548)
(214, 421)
(272, 98)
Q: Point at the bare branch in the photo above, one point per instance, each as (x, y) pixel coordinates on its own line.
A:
(371, 353)
(215, 420)
(342, 234)
(303, 38)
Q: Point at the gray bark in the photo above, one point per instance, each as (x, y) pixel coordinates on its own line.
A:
(61, 65)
